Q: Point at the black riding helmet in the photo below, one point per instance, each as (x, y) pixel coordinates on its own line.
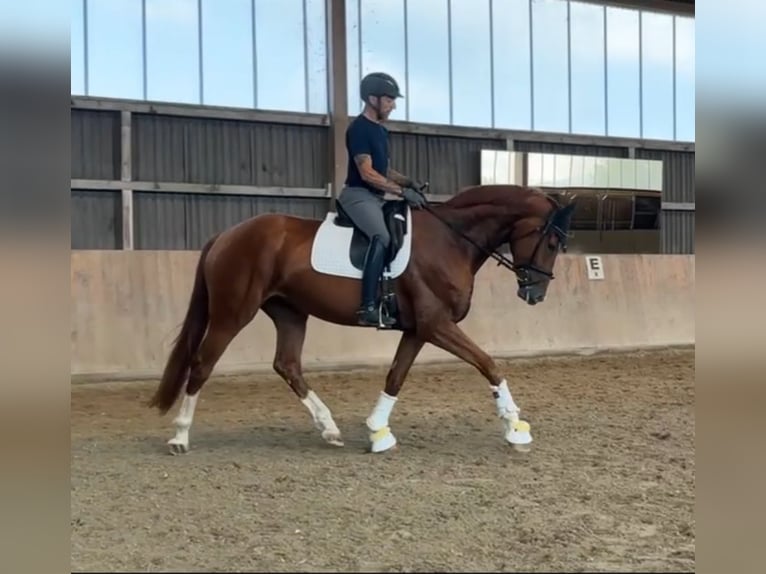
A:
(379, 84)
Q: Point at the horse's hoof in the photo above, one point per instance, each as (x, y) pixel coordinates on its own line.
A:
(177, 447)
(519, 437)
(382, 440)
(333, 439)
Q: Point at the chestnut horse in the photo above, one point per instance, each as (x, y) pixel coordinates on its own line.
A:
(266, 263)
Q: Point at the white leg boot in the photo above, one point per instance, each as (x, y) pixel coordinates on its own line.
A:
(516, 431)
(380, 434)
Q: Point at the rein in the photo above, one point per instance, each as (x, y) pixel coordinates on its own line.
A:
(499, 257)
(522, 271)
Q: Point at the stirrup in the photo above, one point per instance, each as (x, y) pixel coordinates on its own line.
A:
(372, 316)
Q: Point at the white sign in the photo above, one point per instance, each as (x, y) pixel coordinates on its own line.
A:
(594, 266)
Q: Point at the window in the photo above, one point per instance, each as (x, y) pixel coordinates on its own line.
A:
(227, 53)
(622, 54)
(353, 71)
(587, 57)
(471, 68)
(382, 23)
(172, 51)
(550, 60)
(316, 49)
(513, 92)
(77, 48)
(280, 58)
(427, 91)
(115, 51)
(657, 75)
(685, 78)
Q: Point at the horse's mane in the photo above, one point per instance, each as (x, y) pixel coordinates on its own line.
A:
(498, 195)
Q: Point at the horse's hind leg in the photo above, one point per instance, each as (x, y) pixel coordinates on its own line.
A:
(291, 333)
(219, 335)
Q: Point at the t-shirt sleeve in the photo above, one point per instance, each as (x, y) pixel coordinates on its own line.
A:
(358, 140)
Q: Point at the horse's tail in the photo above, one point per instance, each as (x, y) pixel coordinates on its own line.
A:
(188, 340)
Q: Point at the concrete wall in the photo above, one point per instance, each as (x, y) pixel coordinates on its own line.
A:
(126, 308)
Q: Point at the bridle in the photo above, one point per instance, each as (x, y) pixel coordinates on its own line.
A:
(528, 273)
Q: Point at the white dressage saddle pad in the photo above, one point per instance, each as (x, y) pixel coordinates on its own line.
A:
(331, 250)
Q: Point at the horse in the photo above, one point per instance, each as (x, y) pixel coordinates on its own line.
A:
(272, 263)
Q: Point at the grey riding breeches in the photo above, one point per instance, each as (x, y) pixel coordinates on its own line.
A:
(365, 209)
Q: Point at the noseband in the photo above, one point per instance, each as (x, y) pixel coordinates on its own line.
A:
(527, 271)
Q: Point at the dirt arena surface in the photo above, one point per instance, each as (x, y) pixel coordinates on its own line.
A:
(608, 485)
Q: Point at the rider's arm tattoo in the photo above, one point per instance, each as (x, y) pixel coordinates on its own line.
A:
(397, 177)
(368, 173)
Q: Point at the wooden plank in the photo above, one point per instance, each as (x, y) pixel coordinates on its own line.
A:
(678, 206)
(213, 189)
(126, 171)
(193, 110)
(310, 192)
(445, 130)
(127, 220)
(243, 114)
(338, 94)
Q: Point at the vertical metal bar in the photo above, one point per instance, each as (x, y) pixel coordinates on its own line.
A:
(449, 59)
(126, 176)
(144, 61)
(255, 53)
(569, 61)
(359, 35)
(606, 75)
(305, 57)
(675, 108)
(199, 53)
(633, 211)
(85, 44)
(531, 70)
(406, 66)
(641, 73)
(492, 63)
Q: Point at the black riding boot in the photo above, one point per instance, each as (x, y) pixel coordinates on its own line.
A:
(373, 269)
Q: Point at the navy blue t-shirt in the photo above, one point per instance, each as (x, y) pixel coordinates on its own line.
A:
(364, 136)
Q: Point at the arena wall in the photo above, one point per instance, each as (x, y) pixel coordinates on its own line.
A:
(127, 306)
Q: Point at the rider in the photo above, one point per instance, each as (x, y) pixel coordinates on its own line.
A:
(369, 178)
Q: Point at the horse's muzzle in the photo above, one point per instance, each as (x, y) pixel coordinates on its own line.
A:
(531, 295)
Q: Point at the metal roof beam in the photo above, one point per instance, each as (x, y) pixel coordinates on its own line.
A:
(678, 7)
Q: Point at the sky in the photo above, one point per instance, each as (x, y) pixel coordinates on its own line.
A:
(605, 91)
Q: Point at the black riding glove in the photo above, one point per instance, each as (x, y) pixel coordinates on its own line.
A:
(414, 198)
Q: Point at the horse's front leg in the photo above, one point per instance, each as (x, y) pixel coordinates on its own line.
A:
(381, 437)
(452, 339)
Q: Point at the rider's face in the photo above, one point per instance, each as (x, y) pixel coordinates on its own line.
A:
(386, 106)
